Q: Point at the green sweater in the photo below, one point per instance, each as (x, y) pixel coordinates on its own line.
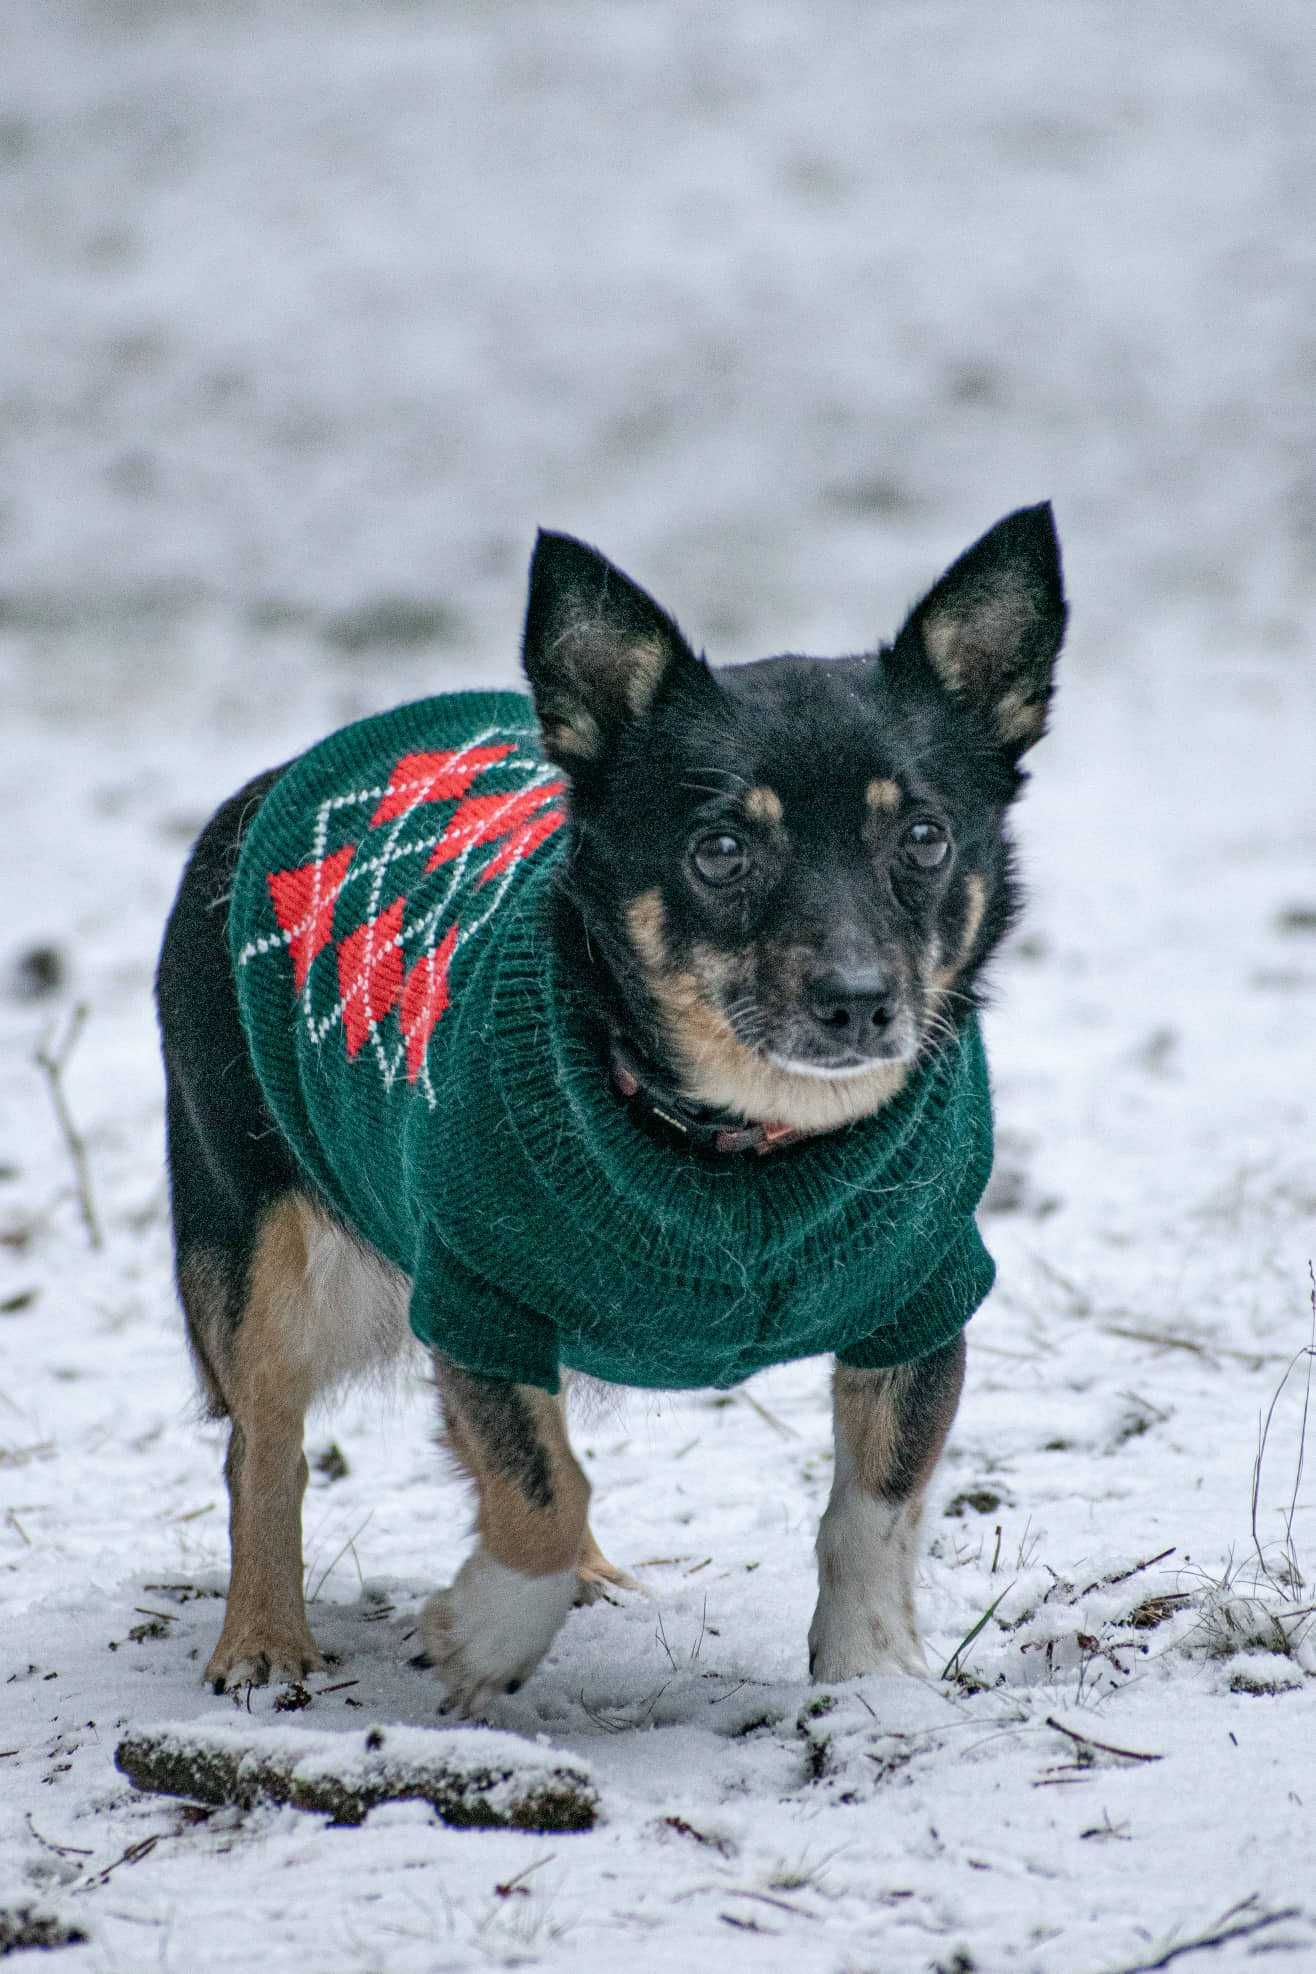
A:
(433, 1069)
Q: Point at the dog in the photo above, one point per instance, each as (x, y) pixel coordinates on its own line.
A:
(628, 1030)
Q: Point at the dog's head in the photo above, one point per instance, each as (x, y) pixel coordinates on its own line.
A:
(795, 869)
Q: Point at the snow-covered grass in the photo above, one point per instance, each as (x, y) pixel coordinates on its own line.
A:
(312, 312)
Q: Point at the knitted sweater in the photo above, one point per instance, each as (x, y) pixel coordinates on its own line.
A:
(435, 1070)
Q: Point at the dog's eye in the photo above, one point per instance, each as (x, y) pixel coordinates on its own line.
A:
(926, 844)
(719, 859)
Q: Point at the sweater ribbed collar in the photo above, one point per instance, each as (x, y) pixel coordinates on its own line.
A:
(729, 1220)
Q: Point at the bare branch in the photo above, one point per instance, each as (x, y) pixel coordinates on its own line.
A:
(1103, 1747)
(51, 1061)
(467, 1781)
(1228, 1927)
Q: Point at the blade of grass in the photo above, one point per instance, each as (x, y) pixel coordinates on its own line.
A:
(955, 1663)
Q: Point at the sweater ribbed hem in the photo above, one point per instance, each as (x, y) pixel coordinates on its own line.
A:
(935, 1316)
(480, 1328)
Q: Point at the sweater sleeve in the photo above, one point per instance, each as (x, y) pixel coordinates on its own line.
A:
(934, 1316)
(478, 1325)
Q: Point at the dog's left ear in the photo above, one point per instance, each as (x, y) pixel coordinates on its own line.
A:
(990, 631)
(597, 650)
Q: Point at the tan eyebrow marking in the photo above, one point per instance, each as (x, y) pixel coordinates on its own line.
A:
(975, 906)
(975, 884)
(646, 923)
(882, 794)
(763, 805)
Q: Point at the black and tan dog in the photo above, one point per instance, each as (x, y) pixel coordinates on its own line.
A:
(781, 884)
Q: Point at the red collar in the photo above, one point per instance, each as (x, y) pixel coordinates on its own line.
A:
(702, 1128)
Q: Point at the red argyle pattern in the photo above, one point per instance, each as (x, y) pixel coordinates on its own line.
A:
(438, 777)
(489, 818)
(303, 903)
(424, 998)
(370, 973)
(397, 899)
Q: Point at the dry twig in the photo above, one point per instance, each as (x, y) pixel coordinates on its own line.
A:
(1122, 1576)
(1230, 1926)
(1103, 1747)
(1166, 1340)
(1307, 1352)
(52, 1061)
(769, 1418)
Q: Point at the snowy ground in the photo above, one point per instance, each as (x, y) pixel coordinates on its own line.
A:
(311, 312)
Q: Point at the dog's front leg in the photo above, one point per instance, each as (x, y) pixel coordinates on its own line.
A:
(488, 1631)
(890, 1428)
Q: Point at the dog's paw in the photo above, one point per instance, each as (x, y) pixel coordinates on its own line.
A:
(864, 1621)
(256, 1654)
(855, 1651)
(596, 1578)
(859, 1631)
(486, 1632)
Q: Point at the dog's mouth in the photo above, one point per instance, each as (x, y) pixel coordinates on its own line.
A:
(822, 1024)
(827, 1072)
(796, 1047)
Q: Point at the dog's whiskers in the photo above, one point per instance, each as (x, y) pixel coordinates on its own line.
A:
(725, 774)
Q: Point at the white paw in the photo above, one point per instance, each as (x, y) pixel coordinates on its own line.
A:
(489, 1629)
(849, 1641)
(864, 1621)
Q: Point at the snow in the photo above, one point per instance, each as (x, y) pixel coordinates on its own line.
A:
(312, 313)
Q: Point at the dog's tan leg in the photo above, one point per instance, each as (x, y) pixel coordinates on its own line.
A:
(597, 1575)
(268, 1383)
(890, 1429)
(318, 1309)
(488, 1631)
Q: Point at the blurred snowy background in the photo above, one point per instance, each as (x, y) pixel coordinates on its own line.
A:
(311, 313)
(314, 310)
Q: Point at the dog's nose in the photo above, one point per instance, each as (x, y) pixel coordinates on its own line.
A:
(853, 1007)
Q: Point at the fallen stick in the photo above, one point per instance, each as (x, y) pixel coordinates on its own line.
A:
(1122, 1576)
(781, 1426)
(472, 1778)
(1230, 1926)
(51, 1061)
(1104, 1747)
(1164, 1340)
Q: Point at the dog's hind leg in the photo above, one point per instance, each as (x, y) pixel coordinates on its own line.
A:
(281, 1302)
(318, 1309)
(891, 1426)
(268, 1382)
(489, 1629)
(240, 1252)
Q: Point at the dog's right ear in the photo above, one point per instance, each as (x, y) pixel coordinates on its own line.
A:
(597, 650)
(990, 631)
